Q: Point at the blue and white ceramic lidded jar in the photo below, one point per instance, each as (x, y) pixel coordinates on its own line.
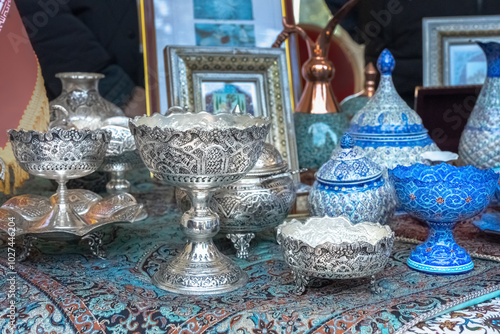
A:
(386, 128)
(351, 185)
(480, 140)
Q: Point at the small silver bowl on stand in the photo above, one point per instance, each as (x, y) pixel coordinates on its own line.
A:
(200, 153)
(334, 248)
(121, 155)
(62, 155)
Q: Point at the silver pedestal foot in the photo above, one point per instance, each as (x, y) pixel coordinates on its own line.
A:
(241, 242)
(301, 282)
(200, 268)
(95, 243)
(118, 184)
(374, 288)
(26, 247)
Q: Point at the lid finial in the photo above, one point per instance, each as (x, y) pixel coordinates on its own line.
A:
(386, 62)
(347, 141)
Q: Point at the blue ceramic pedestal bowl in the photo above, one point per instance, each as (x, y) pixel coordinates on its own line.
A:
(442, 195)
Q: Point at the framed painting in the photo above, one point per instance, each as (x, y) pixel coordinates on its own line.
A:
(221, 92)
(451, 57)
(223, 23)
(217, 79)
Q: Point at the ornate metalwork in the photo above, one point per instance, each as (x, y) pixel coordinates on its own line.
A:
(261, 200)
(69, 214)
(60, 155)
(26, 247)
(190, 66)
(199, 152)
(333, 248)
(31, 212)
(241, 242)
(95, 243)
(121, 156)
(80, 104)
(199, 157)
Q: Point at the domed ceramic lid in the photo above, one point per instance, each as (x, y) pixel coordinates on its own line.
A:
(270, 162)
(386, 112)
(350, 166)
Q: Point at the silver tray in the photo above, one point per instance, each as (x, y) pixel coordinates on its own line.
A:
(27, 217)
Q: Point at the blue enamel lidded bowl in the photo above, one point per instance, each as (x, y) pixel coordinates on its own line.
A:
(353, 186)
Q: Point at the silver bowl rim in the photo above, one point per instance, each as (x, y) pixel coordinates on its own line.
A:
(258, 122)
(26, 136)
(333, 247)
(80, 75)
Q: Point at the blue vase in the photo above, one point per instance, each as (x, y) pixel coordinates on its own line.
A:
(386, 128)
(480, 141)
(442, 195)
(317, 136)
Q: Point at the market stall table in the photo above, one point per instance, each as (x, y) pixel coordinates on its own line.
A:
(61, 288)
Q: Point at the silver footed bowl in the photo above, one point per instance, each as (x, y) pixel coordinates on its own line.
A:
(334, 248)
(199, 152)
(121, 156)
(59, 154)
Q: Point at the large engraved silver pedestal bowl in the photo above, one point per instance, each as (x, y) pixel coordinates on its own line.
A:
(261, 200)
(121, 155)
(60, 155)
(199, 152)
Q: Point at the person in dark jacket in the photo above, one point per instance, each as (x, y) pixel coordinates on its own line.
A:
(397, 26)
(89, 36)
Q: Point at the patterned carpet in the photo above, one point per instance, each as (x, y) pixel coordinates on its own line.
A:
(483, 318)
(63, 289)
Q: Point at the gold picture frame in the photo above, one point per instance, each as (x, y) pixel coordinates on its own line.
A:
(153, 45)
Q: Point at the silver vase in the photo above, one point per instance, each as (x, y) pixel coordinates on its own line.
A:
(80, 105)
